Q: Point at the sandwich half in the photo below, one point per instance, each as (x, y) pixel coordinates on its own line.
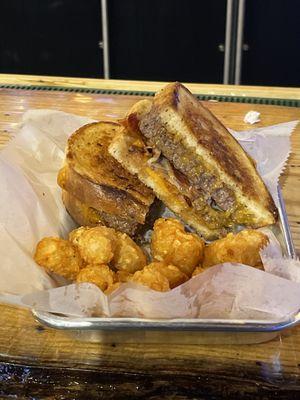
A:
(179, 149)
(96, 188)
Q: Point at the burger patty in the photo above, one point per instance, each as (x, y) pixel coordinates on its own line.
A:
(206, 185)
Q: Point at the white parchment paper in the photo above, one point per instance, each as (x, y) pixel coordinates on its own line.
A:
(31, 208)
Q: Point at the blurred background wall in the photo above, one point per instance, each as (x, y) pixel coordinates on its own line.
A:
(166, 40)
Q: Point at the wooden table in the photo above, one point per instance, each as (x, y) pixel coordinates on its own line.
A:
(42, 363)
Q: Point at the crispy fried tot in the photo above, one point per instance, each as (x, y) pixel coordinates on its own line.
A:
(198, 270)
(242, 247)
(172, 245)
(58, 256)
(174, 275)
(101, 275)
(151, 278)
(123, 276)
(76, 233)
(96, 245)
(128, 256)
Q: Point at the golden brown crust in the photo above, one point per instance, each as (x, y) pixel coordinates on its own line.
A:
(100, 197)
(170, 244)
(198, 270)
(211, 135)
(203, 174)
(174, 275)
(243, 247)
(96, 245)
(123, 276)
(80, 212)
(128, 256)
(98, 274)
(151, 278)
(88, 156)
(58, 256)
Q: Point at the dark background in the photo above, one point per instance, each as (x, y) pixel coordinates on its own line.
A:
(149, 39)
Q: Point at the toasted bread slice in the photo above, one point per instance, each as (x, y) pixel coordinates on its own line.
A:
(206, 164)
(103, 198)
(88, 216)
(88, 156)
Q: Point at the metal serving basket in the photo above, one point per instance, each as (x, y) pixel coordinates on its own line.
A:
(181, 331)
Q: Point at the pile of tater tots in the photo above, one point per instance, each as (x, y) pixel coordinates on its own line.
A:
(108, 258)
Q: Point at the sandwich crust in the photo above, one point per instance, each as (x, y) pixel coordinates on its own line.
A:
(101, 197)
(211, 160)
(200, 164)
(96, 188)
(87, 155)
(84, 215)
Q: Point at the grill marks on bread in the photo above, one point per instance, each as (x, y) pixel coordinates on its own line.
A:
(88, 155)
(96, 188)
(217, 185)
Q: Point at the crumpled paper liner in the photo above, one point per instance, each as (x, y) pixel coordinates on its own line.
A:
(31, 208)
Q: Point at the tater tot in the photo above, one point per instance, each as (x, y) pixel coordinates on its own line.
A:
(101, 275)
(174, 275)
(58, 256)
(128, 256)
(242, 247)
(96, 245)
(77, 233)
(151, 278)
(172, 245)
(198, 270)
(123, 276)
